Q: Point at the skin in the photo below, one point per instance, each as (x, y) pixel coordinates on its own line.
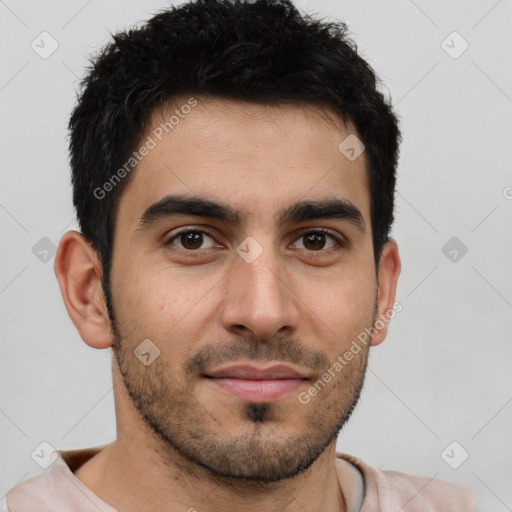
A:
(181, 441)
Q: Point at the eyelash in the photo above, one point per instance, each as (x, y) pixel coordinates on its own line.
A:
(340, 242)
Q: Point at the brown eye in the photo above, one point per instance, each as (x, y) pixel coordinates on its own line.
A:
(191, 240)
(314, 241)
(319, 240)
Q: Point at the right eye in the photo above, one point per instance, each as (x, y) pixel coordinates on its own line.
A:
(191, 240)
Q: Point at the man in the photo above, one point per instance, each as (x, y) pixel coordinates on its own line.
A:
(233, 169)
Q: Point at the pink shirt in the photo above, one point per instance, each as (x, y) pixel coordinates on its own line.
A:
(366, 489)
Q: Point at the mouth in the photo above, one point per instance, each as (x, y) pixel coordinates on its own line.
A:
(256, 384)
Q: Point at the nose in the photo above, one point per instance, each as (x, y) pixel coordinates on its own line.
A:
(259, 302)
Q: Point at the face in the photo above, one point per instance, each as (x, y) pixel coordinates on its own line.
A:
(243, 257)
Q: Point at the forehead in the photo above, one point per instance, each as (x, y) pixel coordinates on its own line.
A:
(256, 157)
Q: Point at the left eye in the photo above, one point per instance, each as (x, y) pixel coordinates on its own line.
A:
(316, 240)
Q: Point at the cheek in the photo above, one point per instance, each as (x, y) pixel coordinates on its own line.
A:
(159, 302)
(344, 302)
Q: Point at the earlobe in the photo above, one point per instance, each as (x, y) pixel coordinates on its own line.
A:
(78, 272)
(389, 270)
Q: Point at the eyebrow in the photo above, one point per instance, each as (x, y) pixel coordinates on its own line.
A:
(176, 205)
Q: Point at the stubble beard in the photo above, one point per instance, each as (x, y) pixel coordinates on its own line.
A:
(264, 452)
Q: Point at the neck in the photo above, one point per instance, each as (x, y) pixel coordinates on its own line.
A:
(130, 477)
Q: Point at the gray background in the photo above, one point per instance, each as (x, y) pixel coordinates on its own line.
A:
(442, 375)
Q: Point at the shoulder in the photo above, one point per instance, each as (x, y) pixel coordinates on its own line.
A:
(391, 490)
(30, 495)
(56, 489)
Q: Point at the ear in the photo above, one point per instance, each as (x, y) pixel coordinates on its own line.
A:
(389, 270)
(78, 271)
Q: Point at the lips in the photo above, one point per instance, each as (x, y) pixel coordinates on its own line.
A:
(256, 384)
(253, 373)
